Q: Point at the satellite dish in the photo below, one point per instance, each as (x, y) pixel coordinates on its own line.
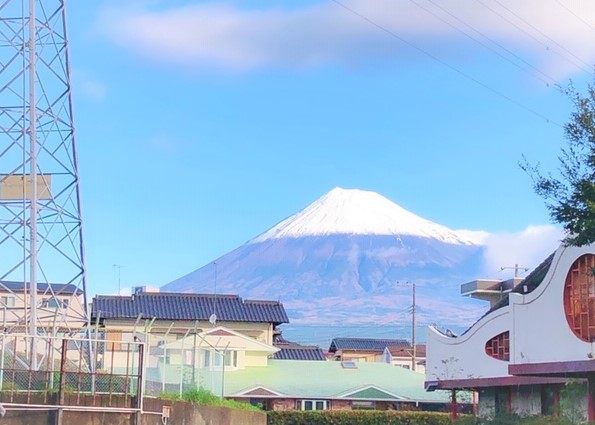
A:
(213, 319)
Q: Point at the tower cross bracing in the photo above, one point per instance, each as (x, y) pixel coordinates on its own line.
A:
(42, 272)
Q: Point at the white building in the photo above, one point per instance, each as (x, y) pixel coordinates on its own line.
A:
(537, 335)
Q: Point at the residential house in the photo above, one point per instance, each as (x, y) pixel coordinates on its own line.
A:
(238, 367)
(292, 351)
(362, 349)
(173, 315)
(537, 335)
(158, 319)
(59, 307)
(322, 385)
(406, 357)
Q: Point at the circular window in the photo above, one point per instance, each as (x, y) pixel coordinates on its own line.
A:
(579, 297)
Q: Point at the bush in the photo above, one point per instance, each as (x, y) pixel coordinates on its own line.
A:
(358, 417)
(361, 417)
(204, 397)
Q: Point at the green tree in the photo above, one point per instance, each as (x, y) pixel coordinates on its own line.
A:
(570, 196)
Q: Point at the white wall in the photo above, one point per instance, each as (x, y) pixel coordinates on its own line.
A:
(464, 357)
(541, 329)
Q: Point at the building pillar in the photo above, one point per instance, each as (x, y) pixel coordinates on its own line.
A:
(591, 398)
(453, 405)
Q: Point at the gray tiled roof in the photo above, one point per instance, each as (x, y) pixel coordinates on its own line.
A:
(179, 306)
(365, 344)
(293, 351)
(299, 352)
(57, 288)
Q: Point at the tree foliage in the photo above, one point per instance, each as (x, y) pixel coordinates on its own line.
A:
(570, 196)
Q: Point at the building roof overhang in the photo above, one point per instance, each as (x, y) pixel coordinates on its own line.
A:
(565, 369)
(499, 381)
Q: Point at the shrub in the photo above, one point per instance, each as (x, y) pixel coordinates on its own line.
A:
(360, 417)
(204, 397)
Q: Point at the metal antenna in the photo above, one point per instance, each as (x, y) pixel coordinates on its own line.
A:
(213, 317)
(119, 267)
(516, 269)
(41, 243)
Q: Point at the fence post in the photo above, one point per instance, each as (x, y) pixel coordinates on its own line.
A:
(139, 386)
(62, 387)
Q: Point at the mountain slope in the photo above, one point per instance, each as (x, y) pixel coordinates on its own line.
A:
(346, 258)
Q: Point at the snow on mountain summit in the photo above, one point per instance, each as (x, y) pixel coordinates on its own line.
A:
(358, 212)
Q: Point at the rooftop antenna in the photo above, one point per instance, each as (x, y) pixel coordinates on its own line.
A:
(119, 267)
(516, 269)
(41, 242)
(213, 317)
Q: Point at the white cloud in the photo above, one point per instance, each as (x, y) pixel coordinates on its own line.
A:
(232, 37)
(88, 86)
(527, 248)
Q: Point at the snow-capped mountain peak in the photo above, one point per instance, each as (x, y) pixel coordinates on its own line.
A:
(358, 212)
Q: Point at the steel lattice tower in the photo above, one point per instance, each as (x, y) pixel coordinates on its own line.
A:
(41, 244)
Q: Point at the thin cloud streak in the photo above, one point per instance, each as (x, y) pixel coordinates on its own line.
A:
(229, 37)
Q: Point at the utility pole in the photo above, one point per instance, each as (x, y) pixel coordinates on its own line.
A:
(414, 354)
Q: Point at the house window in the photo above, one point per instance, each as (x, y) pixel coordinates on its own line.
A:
(499, 346)
(579, 297)
(363, 405)
(217, 359)
(7, 301)
(314, 405)
(54, 302)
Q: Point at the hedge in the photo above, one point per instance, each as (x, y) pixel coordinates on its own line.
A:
(362, 417)
(376, 417)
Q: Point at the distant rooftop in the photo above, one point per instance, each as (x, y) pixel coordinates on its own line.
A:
(365, 344)
(420, 351)
(179, 306)
(293, 351)
(56, 288)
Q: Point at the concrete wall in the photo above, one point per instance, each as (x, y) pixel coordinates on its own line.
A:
(526, 400)
(181, 414)
(486, 403)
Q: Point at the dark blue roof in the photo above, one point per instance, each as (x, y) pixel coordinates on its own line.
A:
(365, 344)
(299, 352)
(43, 288)
(179, 306)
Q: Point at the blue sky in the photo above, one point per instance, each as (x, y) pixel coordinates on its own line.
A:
(202, 124)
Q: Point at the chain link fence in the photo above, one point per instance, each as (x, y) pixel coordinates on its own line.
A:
(75, 364)
(179, 362)
(113, 363)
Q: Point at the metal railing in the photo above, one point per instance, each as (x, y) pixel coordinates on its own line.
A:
(65, 368)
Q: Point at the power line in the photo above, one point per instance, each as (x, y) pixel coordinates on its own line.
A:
(510, 52)
(589, 70)
(548, 48)
(446, 64)
(575, 15)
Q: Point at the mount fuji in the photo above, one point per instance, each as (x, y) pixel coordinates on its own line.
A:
(350, 258)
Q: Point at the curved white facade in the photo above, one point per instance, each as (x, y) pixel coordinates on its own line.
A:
(541, 351)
